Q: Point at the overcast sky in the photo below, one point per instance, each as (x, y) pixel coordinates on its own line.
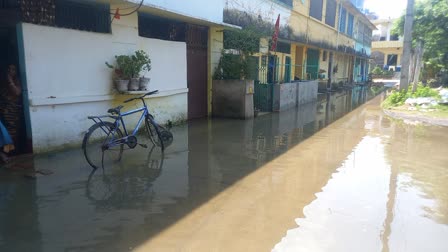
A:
(386, 8)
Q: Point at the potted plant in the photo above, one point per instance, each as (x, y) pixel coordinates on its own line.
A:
(140, 61)
(127, 71)
(122, 71)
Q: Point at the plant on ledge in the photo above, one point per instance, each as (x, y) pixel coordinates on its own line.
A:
(127, 71)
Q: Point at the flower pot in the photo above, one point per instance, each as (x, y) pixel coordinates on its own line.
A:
(133, 85)
(121, 85)
(144, 83)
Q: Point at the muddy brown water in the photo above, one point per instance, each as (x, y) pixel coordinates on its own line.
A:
(329, 176)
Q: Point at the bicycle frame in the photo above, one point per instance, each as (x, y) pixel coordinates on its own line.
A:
(119, 119)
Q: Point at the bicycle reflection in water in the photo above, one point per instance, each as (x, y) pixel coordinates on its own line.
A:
(129, 188)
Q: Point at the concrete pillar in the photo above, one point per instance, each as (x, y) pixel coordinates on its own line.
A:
(215, 46)
(293, 60)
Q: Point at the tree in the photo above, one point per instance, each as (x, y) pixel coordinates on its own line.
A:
(431, 27)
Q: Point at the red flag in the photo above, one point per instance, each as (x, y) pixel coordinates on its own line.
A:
(117, 13)
(275, 35)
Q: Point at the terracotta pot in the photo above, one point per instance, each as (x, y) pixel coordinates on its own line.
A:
(144, 83)
(133, 85)
(121, 85)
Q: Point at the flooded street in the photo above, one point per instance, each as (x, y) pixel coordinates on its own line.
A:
(329, 176)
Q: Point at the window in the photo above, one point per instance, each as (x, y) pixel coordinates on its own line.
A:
(160, 28)
(286, 2)
(350, 25)
(367, 39)
(342, 19)
(283, 47)
(330, 15)
(324, 56)
(316, 9)
(82, 15)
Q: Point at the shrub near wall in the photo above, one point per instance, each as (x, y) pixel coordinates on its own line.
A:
(378, 73)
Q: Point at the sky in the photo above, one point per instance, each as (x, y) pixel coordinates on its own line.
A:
(386, 8)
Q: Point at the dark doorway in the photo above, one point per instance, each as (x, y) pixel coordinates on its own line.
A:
(272, 69)
(197, 44)
(11, 104)
(312, 64)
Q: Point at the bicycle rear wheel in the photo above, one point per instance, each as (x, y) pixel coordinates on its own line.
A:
(97, 144)
(154, 132)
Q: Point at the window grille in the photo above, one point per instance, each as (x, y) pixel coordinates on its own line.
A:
(82, 15)
(160, 28)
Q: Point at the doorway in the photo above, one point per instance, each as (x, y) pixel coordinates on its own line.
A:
(11, 104)
(312, 64)
(197, 76)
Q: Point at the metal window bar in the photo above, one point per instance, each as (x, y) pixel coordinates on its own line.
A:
(82, 15)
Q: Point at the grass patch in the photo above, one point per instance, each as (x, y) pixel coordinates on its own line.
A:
(397, 98)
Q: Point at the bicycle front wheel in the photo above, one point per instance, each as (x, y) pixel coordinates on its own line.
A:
(98, 144)
(154, 132)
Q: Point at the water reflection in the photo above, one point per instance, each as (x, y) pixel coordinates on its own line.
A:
(388, 195)
(125, 188)
(232, 185)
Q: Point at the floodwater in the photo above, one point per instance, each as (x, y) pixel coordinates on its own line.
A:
(323, 177)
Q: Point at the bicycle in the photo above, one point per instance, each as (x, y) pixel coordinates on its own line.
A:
(107, 137)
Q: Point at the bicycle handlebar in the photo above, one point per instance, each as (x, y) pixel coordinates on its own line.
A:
(143, 96)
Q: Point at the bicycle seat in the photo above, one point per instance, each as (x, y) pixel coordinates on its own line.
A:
(115, 110)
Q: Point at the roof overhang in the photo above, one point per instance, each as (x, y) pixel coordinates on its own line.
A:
(171, 14)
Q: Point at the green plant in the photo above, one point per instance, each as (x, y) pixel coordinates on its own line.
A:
(130, 66)
(123, 67)
(396, 98)
(140, 61)
(377, 71)
(423, 91)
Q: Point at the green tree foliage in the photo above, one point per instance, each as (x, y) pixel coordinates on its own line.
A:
(430, 26)
(235, 63)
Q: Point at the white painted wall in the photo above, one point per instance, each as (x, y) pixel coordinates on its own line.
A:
(67, 79)
(202, 9)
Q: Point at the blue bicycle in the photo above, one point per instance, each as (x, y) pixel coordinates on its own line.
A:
(105, 140)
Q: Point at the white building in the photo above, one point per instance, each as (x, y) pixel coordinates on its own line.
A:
(61, 50)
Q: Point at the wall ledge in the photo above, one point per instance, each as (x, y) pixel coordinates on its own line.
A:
(50, 101)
